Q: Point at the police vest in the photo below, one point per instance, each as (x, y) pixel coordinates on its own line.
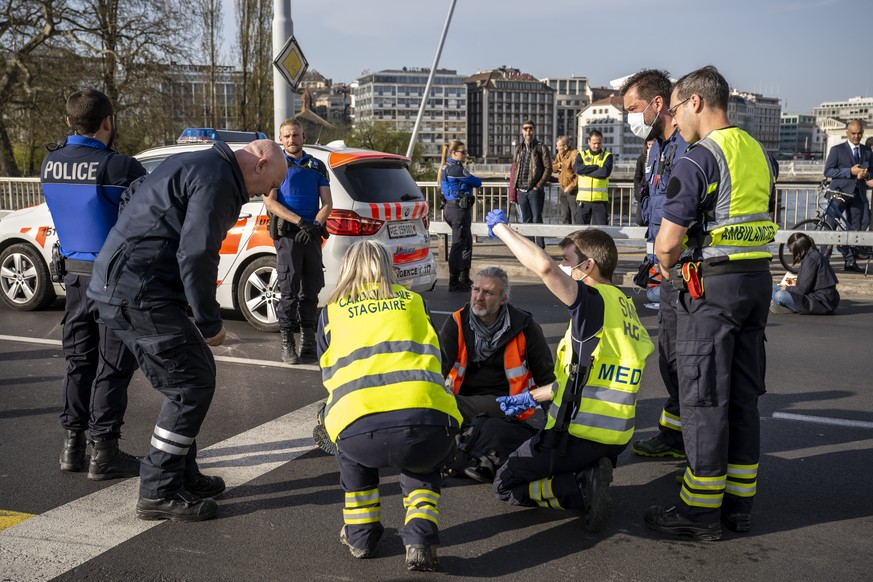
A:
(593, 189)
(452, 189)
(384, 355)
(83, 209)
(300, 191)
(739, 227)
(514, 365)
(608, 406)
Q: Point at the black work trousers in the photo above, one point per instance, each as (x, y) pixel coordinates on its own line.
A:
(461, 252)
(721, 362)
(594, 213)
(300, 275)
(175, 358)
(540, 475)
(670, 423)
(99, 367)
(419, 452)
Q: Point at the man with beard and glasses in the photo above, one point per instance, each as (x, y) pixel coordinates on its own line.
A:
(493, 349)
(82, 180)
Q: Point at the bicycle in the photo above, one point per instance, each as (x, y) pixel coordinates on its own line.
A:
(828, 217)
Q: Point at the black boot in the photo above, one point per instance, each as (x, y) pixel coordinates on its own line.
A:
(464, 281)
(454, 284)
(289, 350)
(110, 462)
(73, 455)
(307, 343)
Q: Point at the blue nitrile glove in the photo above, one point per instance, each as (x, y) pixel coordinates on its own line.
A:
(514, 405)
(496, 216)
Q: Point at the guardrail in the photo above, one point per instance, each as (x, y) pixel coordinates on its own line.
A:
(17, 193)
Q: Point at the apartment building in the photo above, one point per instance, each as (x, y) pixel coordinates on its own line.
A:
(572, 95)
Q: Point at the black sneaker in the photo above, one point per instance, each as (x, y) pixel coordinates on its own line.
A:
(594, 483)
(422, 558)
(319, 433)
(655, 447)
(183, 506)
(668, 520)
(204, 486)
(359, 553)
(480, 473)
(738, 522)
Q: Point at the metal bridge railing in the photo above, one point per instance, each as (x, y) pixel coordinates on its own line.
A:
(17, 193)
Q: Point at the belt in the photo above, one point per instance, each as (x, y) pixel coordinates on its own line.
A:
(726, 267)
(78, 267)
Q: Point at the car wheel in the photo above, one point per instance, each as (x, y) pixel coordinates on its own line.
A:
(257, 294)
(25, 281)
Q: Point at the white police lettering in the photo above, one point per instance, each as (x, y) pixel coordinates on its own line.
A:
(620, 374)
(83, 171)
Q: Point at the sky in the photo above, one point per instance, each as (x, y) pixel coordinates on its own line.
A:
(797, 50)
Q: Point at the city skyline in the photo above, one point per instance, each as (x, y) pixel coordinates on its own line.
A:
(758, 47)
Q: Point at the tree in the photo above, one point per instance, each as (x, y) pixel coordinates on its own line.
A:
(255, 46)
(211, 19)
(383, 137)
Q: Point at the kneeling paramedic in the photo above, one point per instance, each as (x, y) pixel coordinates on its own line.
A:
(387, 406)
(599, 368)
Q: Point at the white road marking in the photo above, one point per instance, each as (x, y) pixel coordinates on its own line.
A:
(823, 420)
(61, 539)
(228, 359)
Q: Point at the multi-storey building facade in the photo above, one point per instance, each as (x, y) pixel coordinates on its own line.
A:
(833, 116)
(189, 91)
(799, 136)
(394, 96)
(609, 117)
(572, 95)
(498, 102)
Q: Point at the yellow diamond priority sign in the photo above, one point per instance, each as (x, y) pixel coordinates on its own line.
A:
(291, 63)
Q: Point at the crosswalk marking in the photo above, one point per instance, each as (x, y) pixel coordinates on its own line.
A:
(47, 545)
(10, 518)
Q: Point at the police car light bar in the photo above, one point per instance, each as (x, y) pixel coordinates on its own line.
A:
(208, 134)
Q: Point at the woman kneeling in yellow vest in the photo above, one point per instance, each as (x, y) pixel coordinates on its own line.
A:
(387, 403)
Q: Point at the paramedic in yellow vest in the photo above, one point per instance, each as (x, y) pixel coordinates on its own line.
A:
(593, 166)
(599, 367)
(387, 404)
(716, 228)
(493, 348)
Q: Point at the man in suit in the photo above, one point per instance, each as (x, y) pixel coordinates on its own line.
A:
(848, 165)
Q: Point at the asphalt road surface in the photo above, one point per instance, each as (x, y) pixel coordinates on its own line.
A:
(281, 515)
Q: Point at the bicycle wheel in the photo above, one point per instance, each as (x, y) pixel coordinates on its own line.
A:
(811, 225)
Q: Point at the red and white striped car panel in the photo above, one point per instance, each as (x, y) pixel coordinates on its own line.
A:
(373, 196)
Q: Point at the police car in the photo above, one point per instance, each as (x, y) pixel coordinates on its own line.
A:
(374, 195)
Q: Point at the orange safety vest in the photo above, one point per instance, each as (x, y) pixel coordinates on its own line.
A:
(514, 365)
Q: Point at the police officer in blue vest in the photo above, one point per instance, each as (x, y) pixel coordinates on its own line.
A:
(82, 180)
(456, 185)
(299, 208)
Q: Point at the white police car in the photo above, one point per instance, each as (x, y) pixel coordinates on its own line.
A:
(374, 195)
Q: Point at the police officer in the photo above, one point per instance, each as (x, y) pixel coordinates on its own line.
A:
(456, 185)
(646, 97)
(593, 166)
(160, 258)
(719, 195)
(300, 208)
(82, 180)
(387, 406)
(599, 368)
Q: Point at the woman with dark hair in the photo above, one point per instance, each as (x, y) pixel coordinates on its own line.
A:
(814, 291)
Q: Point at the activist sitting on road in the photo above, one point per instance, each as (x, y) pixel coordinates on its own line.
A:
(814, 291)
(492, 349)
(569, 464)
(387, 405)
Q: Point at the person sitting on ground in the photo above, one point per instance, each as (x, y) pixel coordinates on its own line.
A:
(814, 291)
(591, 417)
(492, 349)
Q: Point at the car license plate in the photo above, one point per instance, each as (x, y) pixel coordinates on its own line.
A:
(401, 229)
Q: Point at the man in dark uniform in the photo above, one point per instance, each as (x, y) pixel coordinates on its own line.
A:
(646, 98)
(720, 195)
(300, 207)
(82, 180)
(160, 258)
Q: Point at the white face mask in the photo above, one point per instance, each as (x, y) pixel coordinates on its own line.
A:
(569, 271)
(638, 125)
